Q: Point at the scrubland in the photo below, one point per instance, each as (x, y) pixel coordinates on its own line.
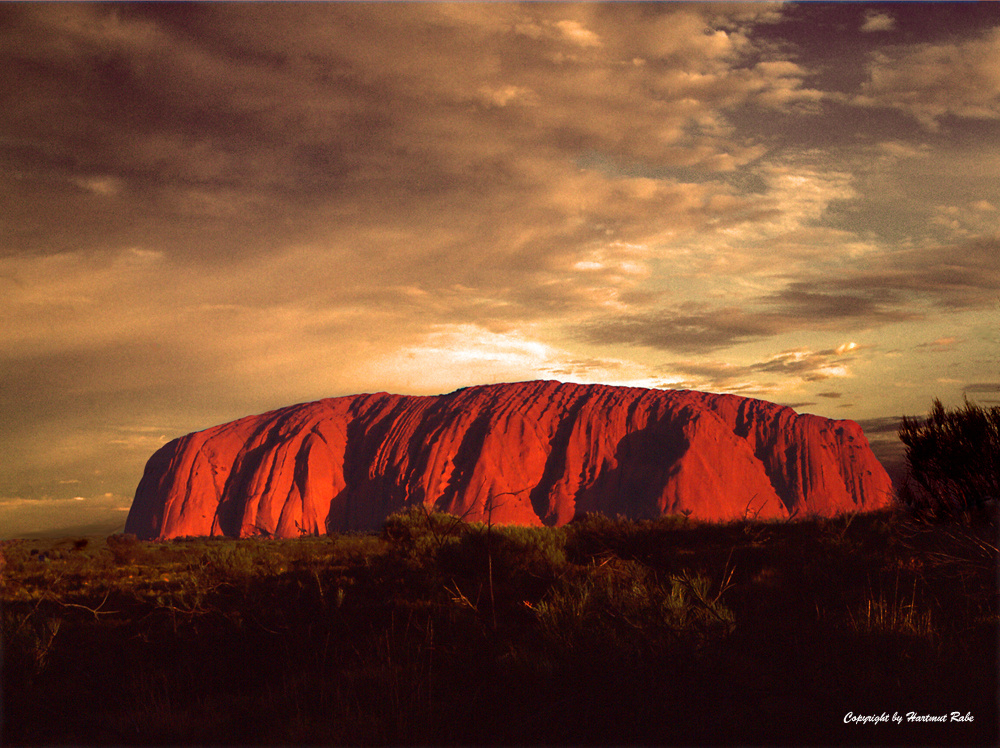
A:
(436, 631)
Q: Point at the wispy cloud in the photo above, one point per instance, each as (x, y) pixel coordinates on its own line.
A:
(773, 373)
(940, 345)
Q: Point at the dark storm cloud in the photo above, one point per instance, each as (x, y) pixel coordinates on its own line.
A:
(983, 388)
(215, 139)
(987, 393)
(961, 276)
(815, 303)
(685, 330)
(710, 329)
(885, 427)
(888, 449)
(897, 287)
(217, 133)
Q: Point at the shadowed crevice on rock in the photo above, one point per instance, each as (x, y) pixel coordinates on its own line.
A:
(555, 465)
(459, 494)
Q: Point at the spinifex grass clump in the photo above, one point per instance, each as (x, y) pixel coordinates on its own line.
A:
(439, 631)
(954, 459)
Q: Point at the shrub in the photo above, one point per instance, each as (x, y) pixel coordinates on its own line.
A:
(954, 459)
(125, 548)
(29, 638)
(592, 535)
(242, 560)
(540, 550)
(624, 606)
(13, 555)
(419, 531)
(520, 562)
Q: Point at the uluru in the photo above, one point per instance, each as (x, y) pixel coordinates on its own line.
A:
(530, 453)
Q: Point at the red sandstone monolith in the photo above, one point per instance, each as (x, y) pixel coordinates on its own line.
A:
(530, 453)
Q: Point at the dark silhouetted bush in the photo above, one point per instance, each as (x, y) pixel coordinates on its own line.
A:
(954, 460)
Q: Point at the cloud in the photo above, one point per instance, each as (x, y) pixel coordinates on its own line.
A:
(940, 345)
(897, 285)
(201, 103)
(878, 21)
(700, 328)
(983, 387)
(885, 427)
(145, 439)
(451, 356)
(797, 197)
(20, 517)
(375, 153)
(987, 393)
(969, 220)
(770, 376)
(958, 78)
(577, 33)
(890, 287)
(963, 276)
(690, 328)
(816, 304)
(811, 366)
(899, 149)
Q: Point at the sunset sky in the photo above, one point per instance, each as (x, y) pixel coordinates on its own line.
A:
(214, 210)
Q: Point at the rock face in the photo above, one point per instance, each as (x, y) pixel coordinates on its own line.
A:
(530, 453)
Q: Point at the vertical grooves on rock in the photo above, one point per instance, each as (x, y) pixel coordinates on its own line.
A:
(555, 465)
(371, 420)
(551, 450)
(465, 459)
